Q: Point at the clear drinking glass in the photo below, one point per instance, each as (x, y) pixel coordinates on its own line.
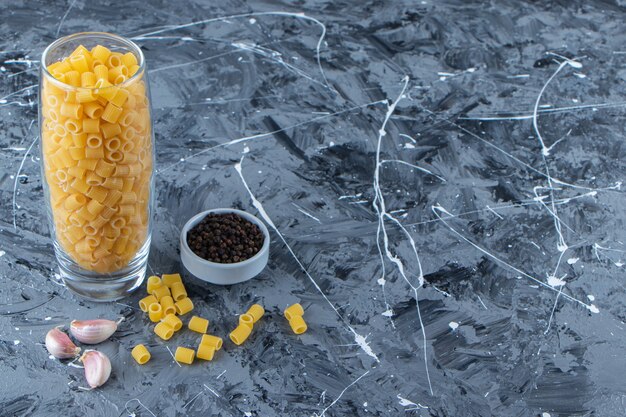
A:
(97, 152)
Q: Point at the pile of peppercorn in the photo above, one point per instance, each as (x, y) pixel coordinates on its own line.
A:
(225, 238)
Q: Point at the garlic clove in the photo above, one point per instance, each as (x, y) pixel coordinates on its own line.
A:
(60, 346)
(97, 367)
(93, 331)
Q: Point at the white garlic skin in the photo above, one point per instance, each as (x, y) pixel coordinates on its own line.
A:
(97, 367)
(60, 346)
(92, 331)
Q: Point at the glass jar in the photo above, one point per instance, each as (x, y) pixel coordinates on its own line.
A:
(97, 152)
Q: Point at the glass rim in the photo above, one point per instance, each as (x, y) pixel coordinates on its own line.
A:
(127, 42)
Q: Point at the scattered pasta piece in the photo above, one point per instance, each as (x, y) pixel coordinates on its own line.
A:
(183, 306)
(246, 320)
(173, 321)
(145, 302)
(214, 341)
(140, 354)
(184, 355)
(256, 311)
(169, 279)
(167, 304)
(298, 325)
(161, 292)
(164, 330)
(155, 312)
(205, 352)
(294, 310)
(153, 283)
(178, 291)
(198, 324)
(240, 334)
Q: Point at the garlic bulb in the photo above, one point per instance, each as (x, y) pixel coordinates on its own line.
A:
(93, 331)
(60, 346)
(97, 367)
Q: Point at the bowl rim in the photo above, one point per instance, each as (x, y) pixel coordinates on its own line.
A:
(250, 217)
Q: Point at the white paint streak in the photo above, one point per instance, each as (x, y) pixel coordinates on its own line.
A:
(323, 413)
(360, 340)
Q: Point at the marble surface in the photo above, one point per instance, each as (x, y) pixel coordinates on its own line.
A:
(443, 185)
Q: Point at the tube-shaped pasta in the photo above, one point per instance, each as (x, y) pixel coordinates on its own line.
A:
(113, 196)
(101, 72)
(132, 70)
(114, 60)
(97, 193)
(85, 96)
(94, 179)
(75, 111)
(88, 79)
(183, 306)
(80, 185)
(205, 352)
(160, 292)
(72, 126)
(167, 304)
(298, 325)
(173, 321)
(153, 283)
(77, 154)
(79, 63)
(72, 78)
(129, 59)
(127, 185)
(256, 311)
(169, 279)
(145, 302)
(155, 312)
(184, 355)
(110, 130)
(240, 334)
(84, 214)
(94, 207)
(164, 330)
(111, 113)
(246, 320)
(178, 291)
(294, 310)
(198, 324)
(93, 110)
(75, 201)
(120, 98)
(88, 164)
(121, 171)
(121, 245)
(140, 354)
(104, 168)
(101, 53)
(91, 125)
(113, 183)
(112, 144)
(214, 341)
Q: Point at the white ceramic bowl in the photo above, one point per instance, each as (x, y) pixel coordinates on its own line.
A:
(218, 273)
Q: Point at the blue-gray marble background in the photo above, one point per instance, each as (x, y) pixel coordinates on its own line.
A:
(443, 181)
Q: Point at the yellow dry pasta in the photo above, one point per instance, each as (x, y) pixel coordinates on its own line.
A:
(160, 292)
(298, 325)
(140, 354)
(183, 306)
(246, 320)
(184, 355)
(145, 302)
(198, 324)
(240, 334)
(169, 279)
(205, 352)
(83, 121)
(173, 321)
(164, 330)
(155, 312)
(153, 283)
(294, 310)
(214, 341)
(167, 304)
(256, 311)
(178, 291)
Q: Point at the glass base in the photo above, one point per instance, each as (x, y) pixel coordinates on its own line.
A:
(103, 287)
